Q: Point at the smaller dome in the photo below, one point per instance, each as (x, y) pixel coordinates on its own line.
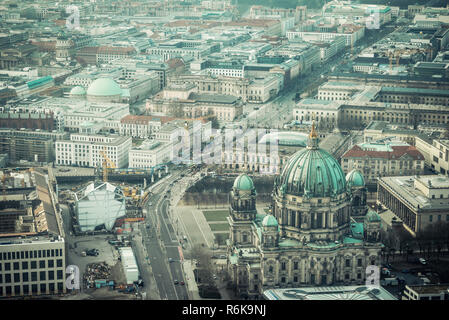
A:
(77, 91)
(372, 216)
(243, 182)
(269, 221)
(355, 178)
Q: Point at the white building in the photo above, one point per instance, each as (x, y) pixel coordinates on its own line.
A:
(84, 150)
(150, 154)
(139, 126)
(32, 266)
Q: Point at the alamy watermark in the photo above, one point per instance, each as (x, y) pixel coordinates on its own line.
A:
(373, 19)
(73, 20)
(250, 147)
(73, 280)
(372, 275)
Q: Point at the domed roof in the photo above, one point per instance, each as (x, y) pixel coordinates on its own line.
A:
(243, 182)
(286, 138)
(77, 91)
(269, 221)
(372, 216)
(354, 178)
(104, 87)
(312, 172)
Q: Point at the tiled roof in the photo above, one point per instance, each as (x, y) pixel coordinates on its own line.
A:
(397, 153)
(144, 119)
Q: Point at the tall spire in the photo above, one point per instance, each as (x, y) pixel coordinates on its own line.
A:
(312, 142)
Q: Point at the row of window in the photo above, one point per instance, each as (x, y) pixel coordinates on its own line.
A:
(31, 276)
(6, 266)
(8, 290)
(31, 254)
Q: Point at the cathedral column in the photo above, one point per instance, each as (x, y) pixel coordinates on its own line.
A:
(323, 224)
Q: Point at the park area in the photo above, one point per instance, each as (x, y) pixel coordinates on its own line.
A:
(218, 224)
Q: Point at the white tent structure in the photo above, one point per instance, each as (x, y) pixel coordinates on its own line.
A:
(100, 205)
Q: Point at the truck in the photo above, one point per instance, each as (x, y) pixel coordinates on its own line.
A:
(389, 282)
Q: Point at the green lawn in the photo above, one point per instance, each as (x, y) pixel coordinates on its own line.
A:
(216, 215)
(219, 226)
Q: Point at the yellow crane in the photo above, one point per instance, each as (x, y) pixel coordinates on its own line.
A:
(107, 164)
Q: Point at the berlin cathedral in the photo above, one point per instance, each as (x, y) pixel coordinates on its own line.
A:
(319, 231)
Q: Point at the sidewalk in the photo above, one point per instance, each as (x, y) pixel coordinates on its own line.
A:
(150, 286)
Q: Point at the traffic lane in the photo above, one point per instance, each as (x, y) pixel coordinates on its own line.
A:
(160, 270)
(155, 256)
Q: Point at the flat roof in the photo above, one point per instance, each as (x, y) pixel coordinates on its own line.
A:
(361, 292)
(404, 188)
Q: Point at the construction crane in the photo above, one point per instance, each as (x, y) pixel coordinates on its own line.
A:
(107, 164)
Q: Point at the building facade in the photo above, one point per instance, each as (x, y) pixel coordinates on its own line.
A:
(86, 150)
(310, 237)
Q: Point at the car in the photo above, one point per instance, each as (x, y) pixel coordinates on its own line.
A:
(182, 283)
(405, 270)
(176, 282)
(170, 260)
(422, 261)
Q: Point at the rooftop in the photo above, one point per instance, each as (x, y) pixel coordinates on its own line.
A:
(330, 293)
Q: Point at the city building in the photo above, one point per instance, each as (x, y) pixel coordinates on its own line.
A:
(99, 207)
(29, 145)
(150, 154)
(249, 90)
(426, 292)
(86, 150)
(182, 101)
(435, 152)
(141, 126)
(416, 201)
(32, 246)
(309, 239)
(329, 293)
(386, 158)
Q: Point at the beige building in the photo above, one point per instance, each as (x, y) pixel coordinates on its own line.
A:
(417, 201)
(249, 90)
(426, 292)
(181, 101)
(435, 152)
(380, 159)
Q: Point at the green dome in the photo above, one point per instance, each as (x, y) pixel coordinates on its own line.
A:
(372, 216)
(312, 172)
(269, 221)
(77, 91)
(104, 87)
(354, 178)
(243, 182)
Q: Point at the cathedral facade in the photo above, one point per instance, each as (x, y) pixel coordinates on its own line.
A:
(319, 230)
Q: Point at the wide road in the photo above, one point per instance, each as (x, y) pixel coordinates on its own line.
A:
(161, 243)
(274, 114)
